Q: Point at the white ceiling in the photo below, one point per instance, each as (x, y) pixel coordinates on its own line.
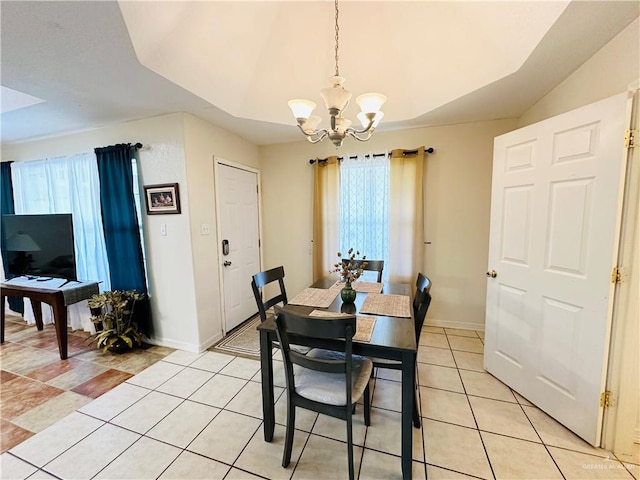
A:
(235, 63)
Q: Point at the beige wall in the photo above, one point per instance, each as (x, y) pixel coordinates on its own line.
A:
(611, 70)
(202, 142)
(457, 190)
(182, 265)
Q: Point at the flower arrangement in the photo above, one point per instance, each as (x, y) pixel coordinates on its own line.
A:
(112, 313)
(350, 267)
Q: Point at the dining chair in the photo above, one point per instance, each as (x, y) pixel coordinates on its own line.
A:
(372, 266)
(259, 281)
(324, 381)
(421, 302)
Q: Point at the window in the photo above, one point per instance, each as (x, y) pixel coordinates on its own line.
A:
(67, 185)
(137, 197)
(364, 206)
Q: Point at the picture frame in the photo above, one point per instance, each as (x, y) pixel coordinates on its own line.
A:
(162, 199)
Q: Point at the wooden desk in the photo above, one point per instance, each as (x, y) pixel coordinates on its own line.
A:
(393, 338)
(51, 293)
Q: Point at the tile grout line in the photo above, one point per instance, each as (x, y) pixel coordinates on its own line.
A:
(541, 440)
(484, 447)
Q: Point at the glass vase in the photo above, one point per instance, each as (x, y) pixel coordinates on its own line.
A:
(348, 294)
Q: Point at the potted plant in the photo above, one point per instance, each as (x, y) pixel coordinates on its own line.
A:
(112, 314)
(350, 268)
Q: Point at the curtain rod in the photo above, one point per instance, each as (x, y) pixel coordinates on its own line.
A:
(374, 155)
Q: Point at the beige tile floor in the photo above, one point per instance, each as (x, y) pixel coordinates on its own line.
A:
(199, 416)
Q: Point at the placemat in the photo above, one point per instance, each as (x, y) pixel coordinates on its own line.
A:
(315, 297)
(364, 323)
(366, 287)
(387, 305)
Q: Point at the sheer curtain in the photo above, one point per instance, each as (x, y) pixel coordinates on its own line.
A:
(364, 207)
(67, 185)
(359, 191)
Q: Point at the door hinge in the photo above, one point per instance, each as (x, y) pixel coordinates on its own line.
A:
(616, 275)
(606, 399)
(630, 138)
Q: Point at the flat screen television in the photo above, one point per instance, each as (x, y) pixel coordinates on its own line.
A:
(39, 245)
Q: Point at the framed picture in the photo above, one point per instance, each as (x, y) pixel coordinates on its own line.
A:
(162, 198)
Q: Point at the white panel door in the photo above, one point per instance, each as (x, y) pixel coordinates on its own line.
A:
(239, 229)
(556, 200)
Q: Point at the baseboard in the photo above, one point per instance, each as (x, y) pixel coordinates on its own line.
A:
(211, 341)
(434, 322)
(187, 347)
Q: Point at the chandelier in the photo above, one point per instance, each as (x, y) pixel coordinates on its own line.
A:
(336, 99)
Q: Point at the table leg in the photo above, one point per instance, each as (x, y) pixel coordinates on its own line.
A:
(60, 319)
(36, 306)
(408, 397)
(2, 297)
(266, 369)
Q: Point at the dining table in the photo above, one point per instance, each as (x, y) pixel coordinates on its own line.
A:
(392, 337)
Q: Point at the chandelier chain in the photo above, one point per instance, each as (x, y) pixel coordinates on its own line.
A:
(337, 39)
(336, 99)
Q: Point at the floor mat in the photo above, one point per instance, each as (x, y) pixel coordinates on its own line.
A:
(243, 341)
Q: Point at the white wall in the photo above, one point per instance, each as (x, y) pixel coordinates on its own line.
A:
(457, 190)
(182, 266)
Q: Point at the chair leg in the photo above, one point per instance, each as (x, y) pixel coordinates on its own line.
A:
(350, 446)
(416, 411)
(367, 406)
(288, 439)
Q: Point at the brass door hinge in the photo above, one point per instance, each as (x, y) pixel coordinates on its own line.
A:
(630, 138)
(606, 399)
(616, 275)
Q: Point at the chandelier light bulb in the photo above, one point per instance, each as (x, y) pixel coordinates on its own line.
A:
(301, 108)
(311, 123)
(371, 102)
(335, 96)
(342, 124)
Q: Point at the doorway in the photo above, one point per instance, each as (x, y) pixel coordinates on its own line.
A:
(238, 239)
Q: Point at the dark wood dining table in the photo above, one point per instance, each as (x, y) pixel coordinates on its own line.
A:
(393, 338)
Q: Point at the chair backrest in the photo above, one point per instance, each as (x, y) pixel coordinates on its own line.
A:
(261, 279)
(372, 266)
(421, 302)
(315, 328)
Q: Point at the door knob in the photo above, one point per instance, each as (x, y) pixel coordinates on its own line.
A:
(492, 274)
(227, 263)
